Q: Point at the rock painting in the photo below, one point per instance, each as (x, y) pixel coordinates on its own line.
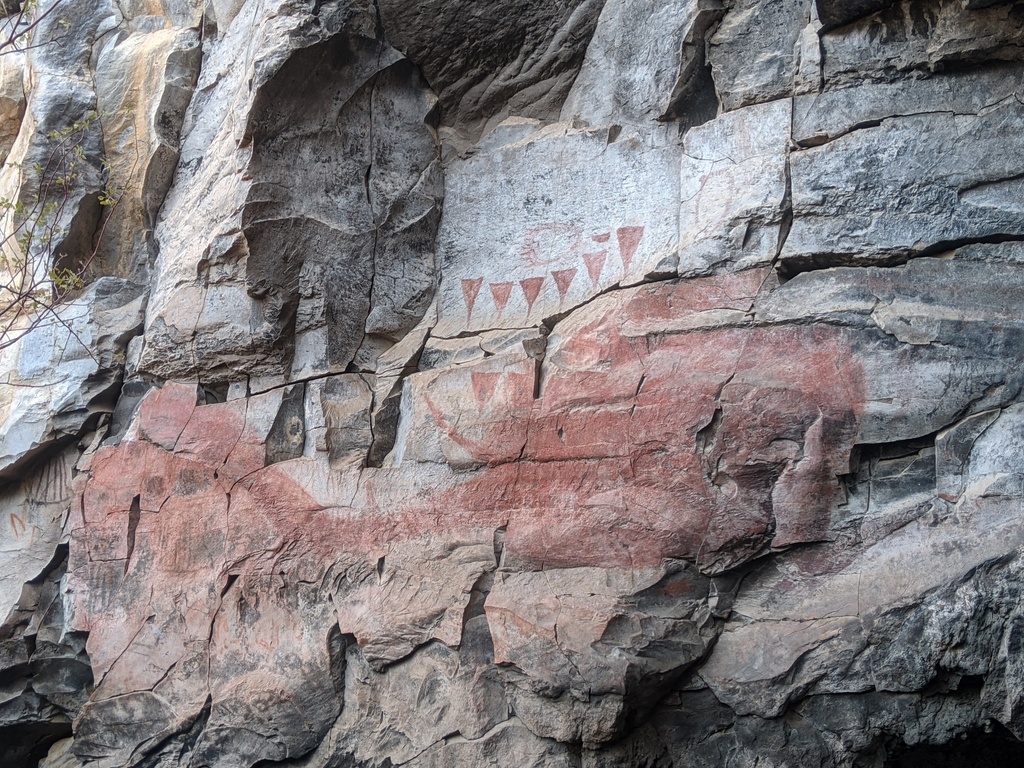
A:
(727, 428)
(751, 422)
(555, 251)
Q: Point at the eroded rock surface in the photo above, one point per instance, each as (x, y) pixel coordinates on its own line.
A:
(591, 384)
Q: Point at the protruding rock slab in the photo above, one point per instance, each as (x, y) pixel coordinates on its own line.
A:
(66, 369)
(909, 186)
(645, 63)
(298, 237)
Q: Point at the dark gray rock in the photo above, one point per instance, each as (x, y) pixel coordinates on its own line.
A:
(489, 61)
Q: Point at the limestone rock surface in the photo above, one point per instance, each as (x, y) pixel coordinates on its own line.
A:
(593, 383)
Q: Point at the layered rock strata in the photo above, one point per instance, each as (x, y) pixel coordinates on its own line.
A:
(548, 384)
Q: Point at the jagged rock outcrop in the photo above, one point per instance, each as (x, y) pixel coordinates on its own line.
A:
(593, 384)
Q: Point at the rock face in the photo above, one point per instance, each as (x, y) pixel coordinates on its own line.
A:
(586, 384)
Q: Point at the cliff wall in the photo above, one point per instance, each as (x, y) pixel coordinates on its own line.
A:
(474, 383)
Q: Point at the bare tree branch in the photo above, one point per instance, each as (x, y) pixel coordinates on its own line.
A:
(37, 277)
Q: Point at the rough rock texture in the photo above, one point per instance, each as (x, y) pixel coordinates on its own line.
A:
(586, 384)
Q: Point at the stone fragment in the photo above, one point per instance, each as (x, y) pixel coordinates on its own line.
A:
(60, 756)
(392, 366)
(417, 591)
(287, 437)
(835, 13)
(337, 413)
(952, 453)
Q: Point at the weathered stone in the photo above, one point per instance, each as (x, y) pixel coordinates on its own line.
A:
(915, 306)
(12, 97)
(33, 512)
(509, 741)
(580, 210)
(146, 71)
(916, 37)
(734, 189)
(458, 700)
(45, 671)
(487, 64)
(58, 378)
(839, 610)
(754, 53)
(822, 117)
(645, 63)
(911, 185)
(283, 281)
(594, 384)
(583, 648)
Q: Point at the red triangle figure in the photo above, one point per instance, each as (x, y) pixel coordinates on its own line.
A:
(629, 240)
(470, 290)
(531, 290)
(501, 293)
(563, 279)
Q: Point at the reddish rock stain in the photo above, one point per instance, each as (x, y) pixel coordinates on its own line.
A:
(707, 445)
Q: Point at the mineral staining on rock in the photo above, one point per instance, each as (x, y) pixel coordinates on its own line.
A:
(577, 384)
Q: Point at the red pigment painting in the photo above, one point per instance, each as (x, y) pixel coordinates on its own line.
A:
(639, 448)
(501, 293)
(531, 290)
(470, 290)
(553, 244)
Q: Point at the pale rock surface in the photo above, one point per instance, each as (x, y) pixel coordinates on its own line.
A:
(146, 70)
(585, 384)
(244, 296)
(645, 62)
(61, 376)
(12, 97)
(585, 209)
(33, 512)
(734, 177)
